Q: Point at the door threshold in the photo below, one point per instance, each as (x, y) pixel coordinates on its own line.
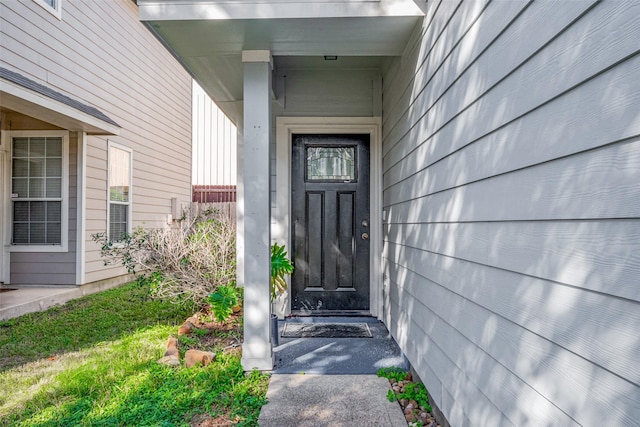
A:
(330, 313)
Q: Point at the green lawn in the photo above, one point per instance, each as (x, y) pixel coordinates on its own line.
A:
(92, 362)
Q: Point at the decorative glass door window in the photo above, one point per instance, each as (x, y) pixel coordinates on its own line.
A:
(36, 190)
(330, 163)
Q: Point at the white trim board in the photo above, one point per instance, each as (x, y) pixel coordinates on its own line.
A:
(4, 223)
(81, 203)
(64, 242)
(285, 128)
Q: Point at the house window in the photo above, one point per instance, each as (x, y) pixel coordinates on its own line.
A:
(119, 197)
(52, 6)
(39, 205)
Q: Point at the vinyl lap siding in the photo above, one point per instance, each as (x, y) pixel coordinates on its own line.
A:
(101, 54)
(511, 145)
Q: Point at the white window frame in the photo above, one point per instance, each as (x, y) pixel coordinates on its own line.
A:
(64, 217)
(111, 144)
(55, 10)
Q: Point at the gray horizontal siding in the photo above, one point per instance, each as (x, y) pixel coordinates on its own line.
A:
(101, 54)
(337, 93)
(511, 162)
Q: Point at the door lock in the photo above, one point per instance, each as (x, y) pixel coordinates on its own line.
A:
(365, 236)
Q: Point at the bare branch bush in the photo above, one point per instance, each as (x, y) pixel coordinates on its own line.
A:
(183, 263)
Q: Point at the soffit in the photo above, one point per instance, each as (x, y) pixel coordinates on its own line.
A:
(211, 49)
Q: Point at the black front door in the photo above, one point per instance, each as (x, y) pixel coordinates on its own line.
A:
(330, 211)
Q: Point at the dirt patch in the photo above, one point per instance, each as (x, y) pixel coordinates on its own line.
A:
(204, 420)
(212, 335)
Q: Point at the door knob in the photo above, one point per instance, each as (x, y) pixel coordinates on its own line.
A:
(365, 236)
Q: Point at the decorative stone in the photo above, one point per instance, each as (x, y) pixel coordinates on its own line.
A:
(410, 417)
(198, 357)
(172, 347)
(186, 328)
(169, 361)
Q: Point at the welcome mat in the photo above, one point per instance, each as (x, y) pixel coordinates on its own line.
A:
(326, 330)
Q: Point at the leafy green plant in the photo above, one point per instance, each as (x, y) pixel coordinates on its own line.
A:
(395, 373)
(417, 392)
(223, 300)
(411, 390)
(280, 267)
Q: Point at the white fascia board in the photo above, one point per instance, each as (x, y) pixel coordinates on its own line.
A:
(33, 104)
(159, 10)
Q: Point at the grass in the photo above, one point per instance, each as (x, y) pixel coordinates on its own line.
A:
(92, 362)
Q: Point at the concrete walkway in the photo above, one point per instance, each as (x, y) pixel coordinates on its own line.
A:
(333, 381)
(329, 400)
(16, 302)
(23, 300)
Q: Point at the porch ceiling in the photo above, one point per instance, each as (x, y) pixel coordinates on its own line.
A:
(209, 36)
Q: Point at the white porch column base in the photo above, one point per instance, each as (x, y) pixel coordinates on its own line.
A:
(256, 348)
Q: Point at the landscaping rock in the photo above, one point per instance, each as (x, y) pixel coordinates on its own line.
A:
(169, 360)
(186, 328)
(198, 357)
(172, 347)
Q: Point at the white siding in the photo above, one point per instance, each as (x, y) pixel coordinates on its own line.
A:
(214, 143)
(101, 55)
(511, 169)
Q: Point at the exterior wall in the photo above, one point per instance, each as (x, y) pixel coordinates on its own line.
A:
(52, 268)
(511, 159)
(322, 93)
(214, 143)
(327, 93)
(100, 54)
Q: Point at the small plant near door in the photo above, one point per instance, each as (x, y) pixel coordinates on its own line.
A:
(280, 267)
(225, 301)
(411, 395)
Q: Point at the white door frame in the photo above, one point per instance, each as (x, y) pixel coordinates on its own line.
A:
(280, 225)
(4, 223)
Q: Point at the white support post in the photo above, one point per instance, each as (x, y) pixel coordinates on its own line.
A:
(256, 349)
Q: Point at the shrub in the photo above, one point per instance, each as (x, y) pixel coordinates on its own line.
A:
(223, 301)
(183, 263)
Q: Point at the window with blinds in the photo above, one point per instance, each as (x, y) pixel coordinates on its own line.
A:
(36, 190)
(119, 192)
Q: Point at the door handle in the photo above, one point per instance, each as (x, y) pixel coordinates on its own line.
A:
(365, 236)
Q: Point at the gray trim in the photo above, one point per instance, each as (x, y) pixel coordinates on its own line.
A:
(50, 93)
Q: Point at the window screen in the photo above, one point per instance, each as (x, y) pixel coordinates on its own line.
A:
(36, 190)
